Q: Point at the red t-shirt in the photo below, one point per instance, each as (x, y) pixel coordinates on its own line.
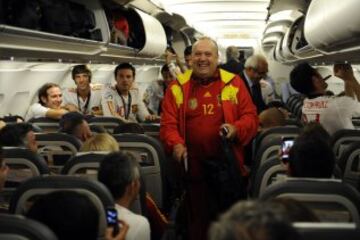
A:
(204, 116)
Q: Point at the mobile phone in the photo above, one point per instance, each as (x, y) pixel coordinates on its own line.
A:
(286, 144)
(112, 219)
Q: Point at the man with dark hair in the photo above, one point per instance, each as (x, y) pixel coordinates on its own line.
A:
(232, 61)
(155, 92)
(311, 155)
(121, 175)
(187, 56)
(18, 135)
(333, 112)
(252, 221)
(199, 108)
(74, 123)
(123, 100)
(70, 215)
(49, 105)
(86, 97)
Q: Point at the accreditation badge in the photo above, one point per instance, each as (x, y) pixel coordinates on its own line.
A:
(193, 103)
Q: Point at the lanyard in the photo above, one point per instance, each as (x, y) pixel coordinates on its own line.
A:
(126, 109)
(86, 103)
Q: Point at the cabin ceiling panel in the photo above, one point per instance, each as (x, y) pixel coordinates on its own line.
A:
(233, 22)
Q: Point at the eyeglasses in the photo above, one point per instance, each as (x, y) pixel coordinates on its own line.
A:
(264, 73)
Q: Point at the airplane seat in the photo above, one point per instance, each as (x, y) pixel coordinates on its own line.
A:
(341, 139)
(87, 164)
(152, 160)
(293, 122)
(109, 123)
(327, 231)
(151, 129)
(17, 227)
(31, 189)
(23, 164)
(349, 163)
(330, 199)
(276, 132)
(266, 175)
(46, 124)
(57, 147)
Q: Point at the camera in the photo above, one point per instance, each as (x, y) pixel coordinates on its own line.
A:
(286, 144)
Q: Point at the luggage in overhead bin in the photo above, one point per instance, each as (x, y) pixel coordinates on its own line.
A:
(53, 16)
(21, 13)
(68, 18)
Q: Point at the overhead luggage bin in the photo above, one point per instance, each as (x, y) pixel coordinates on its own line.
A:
(332, 26)
(286, 17)
(278, 30)
(38, 42)
(298, 43)
(149, 39)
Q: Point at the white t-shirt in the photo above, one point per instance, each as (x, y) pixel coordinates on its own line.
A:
(139, 227)
(36, 111)
(120, 104)
(267, 91)
(88, 107)
(334, 113)
(154, 93)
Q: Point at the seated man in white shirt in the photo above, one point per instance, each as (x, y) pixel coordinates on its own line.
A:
(86, 97)
(155, 92)
(49, 105)
(124, 101)
(333, 112)
(120, 173)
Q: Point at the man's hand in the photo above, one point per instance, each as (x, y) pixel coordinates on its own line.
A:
(179, 152)
(152, 118)
(121, 235)
(71, 107)
(231, 131)
(344, 71)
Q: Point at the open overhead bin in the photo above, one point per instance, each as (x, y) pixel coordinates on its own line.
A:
(134, 30)
(52, 29)
(286, 17)
(176, 30)
(332, 26)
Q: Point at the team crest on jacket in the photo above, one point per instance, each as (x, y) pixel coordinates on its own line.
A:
(193, 103)
(134, 108)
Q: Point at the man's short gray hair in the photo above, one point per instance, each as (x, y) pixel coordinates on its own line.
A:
(253, 61)
(232, 52)
(209, 39)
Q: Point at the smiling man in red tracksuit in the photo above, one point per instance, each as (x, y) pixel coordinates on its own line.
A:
(196, 107)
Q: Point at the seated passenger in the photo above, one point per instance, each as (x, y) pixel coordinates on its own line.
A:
(334, 113)
(85, 98)
(49, 105)
(155, 92)
(271, 117)
(252, 221)
(71, 216)
(100, 142)
(19, 135)
(74, 123)
(122, 100)
(4, 169)
(311, 156)
(121, 175)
